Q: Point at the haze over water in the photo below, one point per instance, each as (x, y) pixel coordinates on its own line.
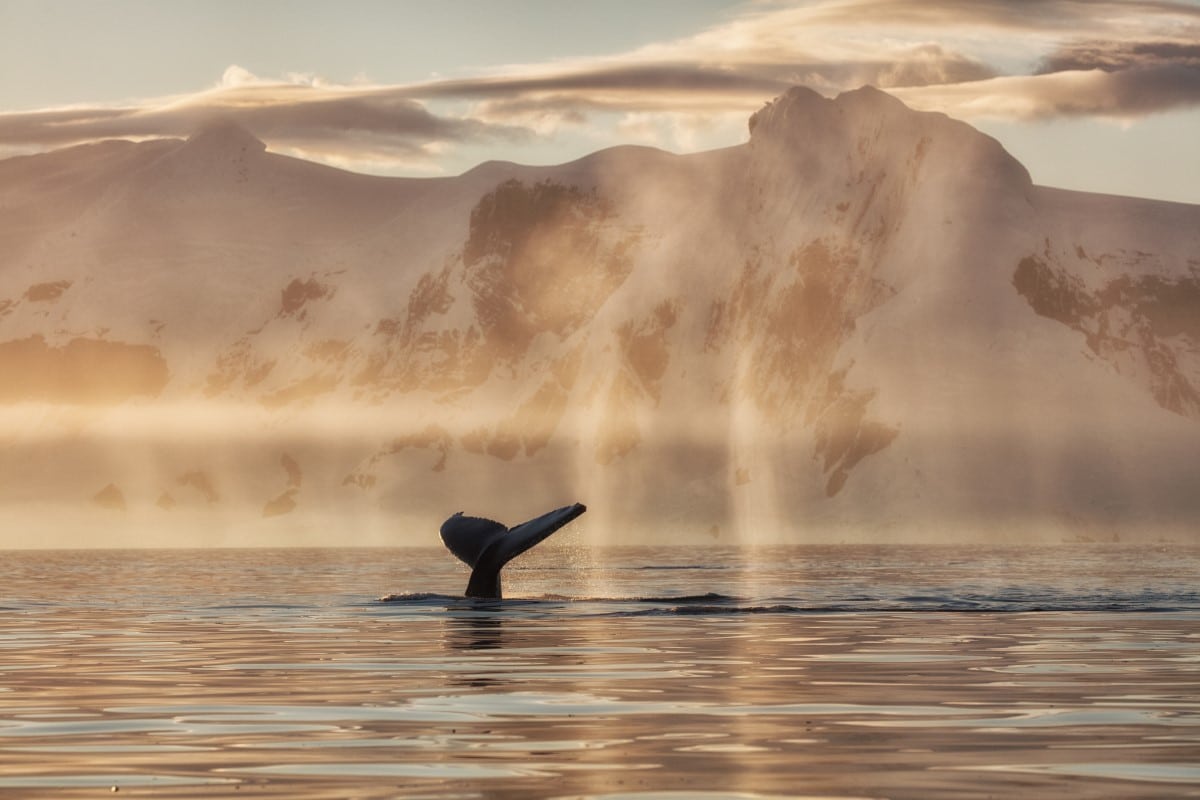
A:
(712, 672)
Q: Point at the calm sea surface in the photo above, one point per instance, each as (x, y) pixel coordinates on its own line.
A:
(636, 673)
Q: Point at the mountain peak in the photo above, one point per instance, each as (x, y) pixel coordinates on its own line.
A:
(801, 107)
(871, 97)
(869, 130)
(225, 135)
(219, 150)
(796, 103)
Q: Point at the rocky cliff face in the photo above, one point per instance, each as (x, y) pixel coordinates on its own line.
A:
(865, 322)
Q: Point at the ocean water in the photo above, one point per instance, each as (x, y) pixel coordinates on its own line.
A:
(878, 672)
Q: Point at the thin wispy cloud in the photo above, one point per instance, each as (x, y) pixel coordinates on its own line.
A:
(299, 113)
(1017, 15)
(979, 59)
(1112, 57)
(1123, 94)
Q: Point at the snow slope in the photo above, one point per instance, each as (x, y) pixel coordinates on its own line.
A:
(864, 323)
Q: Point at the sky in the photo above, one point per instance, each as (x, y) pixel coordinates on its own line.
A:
(1095, 95)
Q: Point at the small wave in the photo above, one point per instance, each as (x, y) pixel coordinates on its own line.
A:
(680, 567)
(716, 603)
(418, 598)
(253, 607)
(434, 597)
(706, 610)
(707, 597)
(453, 602)
(724, 610)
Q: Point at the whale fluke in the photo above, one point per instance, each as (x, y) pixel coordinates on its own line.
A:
(486, 546)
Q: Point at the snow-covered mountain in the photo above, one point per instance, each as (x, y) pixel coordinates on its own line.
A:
(864, 323)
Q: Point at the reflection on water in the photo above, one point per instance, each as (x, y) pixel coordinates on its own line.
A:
(847, 672)
(475, 631)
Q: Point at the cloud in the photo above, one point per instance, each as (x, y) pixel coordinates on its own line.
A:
(1050, 16)
(305, 115)
(969, 58)
(937, 51)
(684, 83)
(1107, 58)
(1111, 56)
(1124, 94)
(1125, 78)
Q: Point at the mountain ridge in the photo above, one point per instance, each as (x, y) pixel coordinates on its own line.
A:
(865, 321)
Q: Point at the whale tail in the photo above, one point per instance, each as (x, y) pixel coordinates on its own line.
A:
(486, 546)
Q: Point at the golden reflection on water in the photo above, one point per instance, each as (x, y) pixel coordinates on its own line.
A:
(228, 675)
